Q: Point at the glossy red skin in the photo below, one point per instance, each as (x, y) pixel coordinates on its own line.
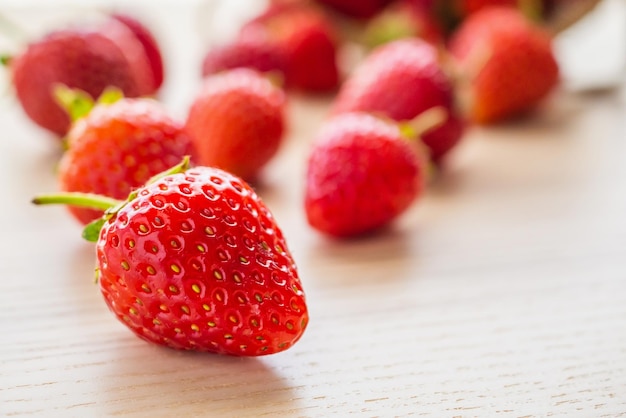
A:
(82, 59)
(512, 60)
(401, 80)
(253, 52)
(119, 147)
(357, 8)
(237, 122)
(150, 46)
(197, 262)
(361, 175)
(308, 42)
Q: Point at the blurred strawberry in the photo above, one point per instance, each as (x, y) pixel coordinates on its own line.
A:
(401, 80)
(85, 59)
(361, 175)
(403, 19)
(237, 121)
(150, 46)
(256, 52)
(361, 9)
(507, 62)
(118, 147)
(307, 40)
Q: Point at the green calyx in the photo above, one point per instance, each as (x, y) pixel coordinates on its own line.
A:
(5, 60)
(110, 206)
(388, 27)
(78, 103)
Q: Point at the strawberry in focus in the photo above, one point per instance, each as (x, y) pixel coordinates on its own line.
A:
(361, 175)
(307, 40)
(237, 122)
(117, 148)
(401, 80)
(507, 62)
(195, 261)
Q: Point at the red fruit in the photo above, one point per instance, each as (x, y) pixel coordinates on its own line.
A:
(196, 262)
(117, 148)
(361, 175)
(81, 59)
(508, 63)
(237, 121)
(255, 52)
(150, 46)
(308, 42)
(357, 8)
(401, 80)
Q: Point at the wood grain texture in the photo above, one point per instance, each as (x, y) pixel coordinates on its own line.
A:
(501, 293)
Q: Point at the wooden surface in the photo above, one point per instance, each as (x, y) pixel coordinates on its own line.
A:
(501, 293)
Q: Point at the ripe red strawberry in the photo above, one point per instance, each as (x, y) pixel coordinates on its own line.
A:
(357, 8)
(195, 261)
(307, 40)
(79, 58)
(117, 148)
(150, 46)
(508, 63)
(237, 121)
(361, 175)
(255, 52)
(401, 80)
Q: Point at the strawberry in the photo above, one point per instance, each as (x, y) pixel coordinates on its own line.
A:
(255, 52)
(361, 175)
(401, 80)
(237, 121)
(507, 62)
(150, 46)
(85, 59)
(362, 9)
(194, 260)
(307, 40)
(117, 148)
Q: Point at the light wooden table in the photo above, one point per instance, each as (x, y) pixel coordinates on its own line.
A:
(501, 293)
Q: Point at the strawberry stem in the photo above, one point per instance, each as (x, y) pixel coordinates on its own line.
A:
(110, 206)
(86, 200)
(424, 122)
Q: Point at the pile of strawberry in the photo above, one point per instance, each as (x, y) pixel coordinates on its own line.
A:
(188, 255)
